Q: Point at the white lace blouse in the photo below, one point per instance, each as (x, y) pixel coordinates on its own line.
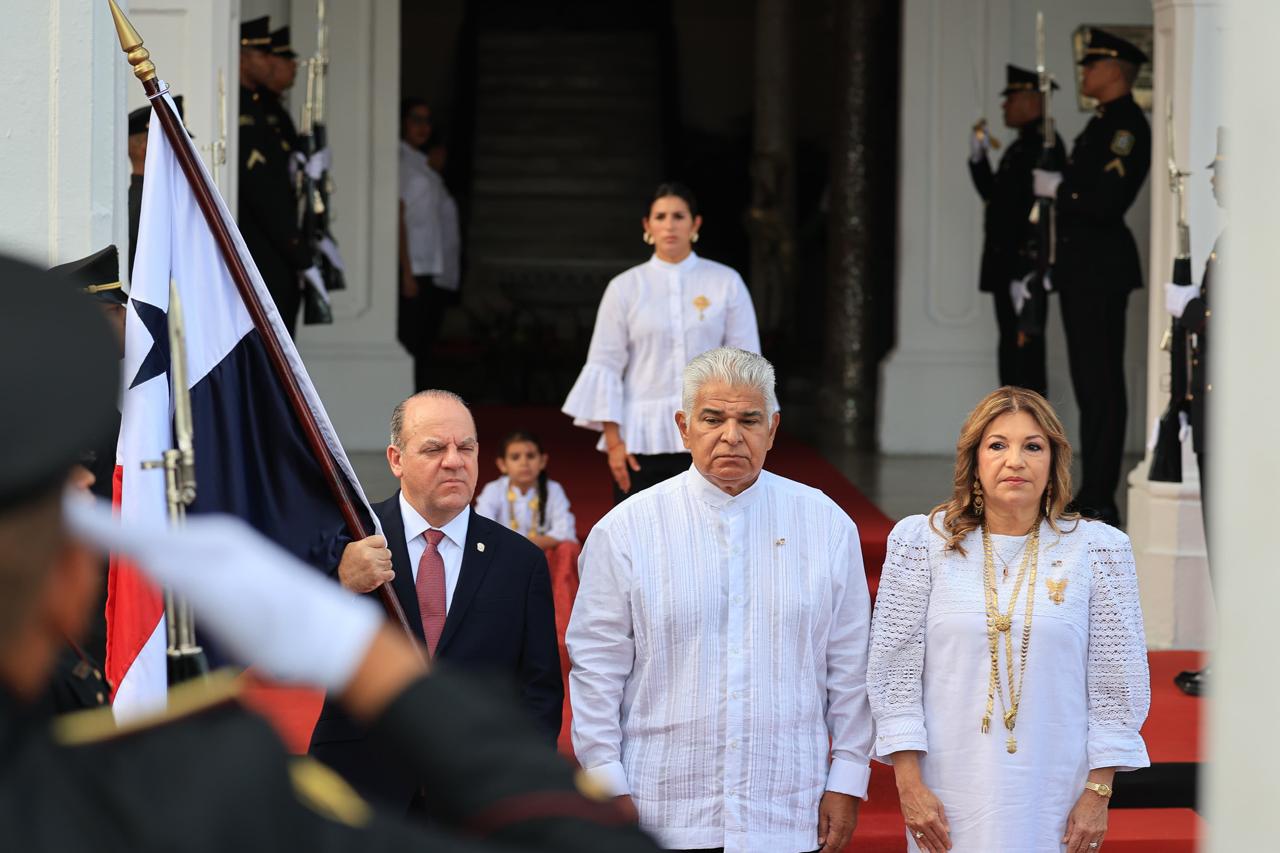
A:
(1086, 689)
(653, 319)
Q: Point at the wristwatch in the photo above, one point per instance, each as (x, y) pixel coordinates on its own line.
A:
(1099, 788)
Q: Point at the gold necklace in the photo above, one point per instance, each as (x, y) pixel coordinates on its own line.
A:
(1002, 623)
(511, 509)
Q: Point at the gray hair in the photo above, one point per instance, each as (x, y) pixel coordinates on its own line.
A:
(734, 367)
(397, 414)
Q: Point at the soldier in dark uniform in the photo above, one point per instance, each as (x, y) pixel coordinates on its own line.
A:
(1097, 259)
(207, 775)
(283, 64)
(1008, 248)
(79, 682)
(268, 209)
(139, 123)
(1189, 304)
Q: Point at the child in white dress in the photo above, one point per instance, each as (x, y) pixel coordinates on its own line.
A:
(524, 498)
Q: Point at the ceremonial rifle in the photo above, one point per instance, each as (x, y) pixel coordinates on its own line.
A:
(144, 69)
(185, 658)
(1166, 456)
(329, 259)
(1031, 320)
(315, 302)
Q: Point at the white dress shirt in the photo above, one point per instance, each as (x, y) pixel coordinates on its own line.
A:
(1085, 696)
(495, 503)
(719, 661)
(450, 547)
(424, 196)
(653, 320)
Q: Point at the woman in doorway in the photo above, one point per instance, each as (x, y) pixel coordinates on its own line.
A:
(1008, 666)
(653, 319)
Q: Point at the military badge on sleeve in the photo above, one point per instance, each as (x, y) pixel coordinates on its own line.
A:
(1122, 143)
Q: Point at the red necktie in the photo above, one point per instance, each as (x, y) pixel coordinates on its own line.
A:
(430, 587)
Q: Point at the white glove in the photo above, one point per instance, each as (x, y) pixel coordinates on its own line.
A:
(261, 603)
(1020, 292)
(313, 277)
(1046, 183)
(979, 145)
(1177, 297)
(318, 164)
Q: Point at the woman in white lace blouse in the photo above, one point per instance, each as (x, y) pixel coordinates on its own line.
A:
(653, 319)
(1008, 666)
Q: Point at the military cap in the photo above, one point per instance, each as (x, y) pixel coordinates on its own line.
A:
(60, 380)
(140, 119)
(1101, 44)
(97, 275)
(280, 44)
(1018, 79)
(256, 34)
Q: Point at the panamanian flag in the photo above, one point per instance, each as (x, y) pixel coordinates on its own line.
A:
(252, 457)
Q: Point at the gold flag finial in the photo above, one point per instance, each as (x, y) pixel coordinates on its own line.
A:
(131, 44)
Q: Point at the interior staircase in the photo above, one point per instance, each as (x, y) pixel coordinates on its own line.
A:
(567, 148)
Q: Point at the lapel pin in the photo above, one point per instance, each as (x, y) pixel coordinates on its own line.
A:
(480, 547)
(782, 541)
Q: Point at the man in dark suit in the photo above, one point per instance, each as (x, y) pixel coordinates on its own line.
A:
(478, 594)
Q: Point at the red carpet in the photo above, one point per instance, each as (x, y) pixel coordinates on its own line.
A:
(1172, 729)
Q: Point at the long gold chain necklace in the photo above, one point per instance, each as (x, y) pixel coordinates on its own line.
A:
(514, 524)
(1002, 623)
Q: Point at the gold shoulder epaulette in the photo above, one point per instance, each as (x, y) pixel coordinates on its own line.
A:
(85, 727)
(326, 793)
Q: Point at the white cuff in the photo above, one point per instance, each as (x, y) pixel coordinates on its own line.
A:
(848, 777)
(612, 777)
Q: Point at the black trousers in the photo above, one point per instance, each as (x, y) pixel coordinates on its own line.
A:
(1021, 366)
(1094, 320)
(285, 290)
(654, 468)
(418, 326)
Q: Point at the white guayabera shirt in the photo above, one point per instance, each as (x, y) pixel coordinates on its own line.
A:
(719, 661)
(653, 320)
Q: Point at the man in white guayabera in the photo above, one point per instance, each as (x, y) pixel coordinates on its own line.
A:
(719, 639)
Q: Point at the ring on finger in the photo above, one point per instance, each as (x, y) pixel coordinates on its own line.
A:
(918, 834)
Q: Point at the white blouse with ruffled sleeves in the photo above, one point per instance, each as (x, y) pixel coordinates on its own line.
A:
(1085, 697)
(653, 319)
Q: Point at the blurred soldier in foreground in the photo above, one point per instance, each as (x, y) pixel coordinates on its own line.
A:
(209, 776)
(1097, 259)
(1008, 248)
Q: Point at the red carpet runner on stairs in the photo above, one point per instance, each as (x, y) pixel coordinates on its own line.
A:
(1172, 730)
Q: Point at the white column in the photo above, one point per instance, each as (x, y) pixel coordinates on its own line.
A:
(1243, 748)
(953, 58)
(1164, 519)
(64, 169)
(358, 367)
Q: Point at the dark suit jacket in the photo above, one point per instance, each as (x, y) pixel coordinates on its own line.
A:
(501, 624)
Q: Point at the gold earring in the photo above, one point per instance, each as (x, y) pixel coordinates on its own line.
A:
(977, 497)
(1048, 499)
(648, 238)
(695, 236)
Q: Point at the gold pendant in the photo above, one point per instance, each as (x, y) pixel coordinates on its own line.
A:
(702, 303)
(1010, 719)
(1057, 589)
(1003, 623)
(1011, 745)
(986, 724)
